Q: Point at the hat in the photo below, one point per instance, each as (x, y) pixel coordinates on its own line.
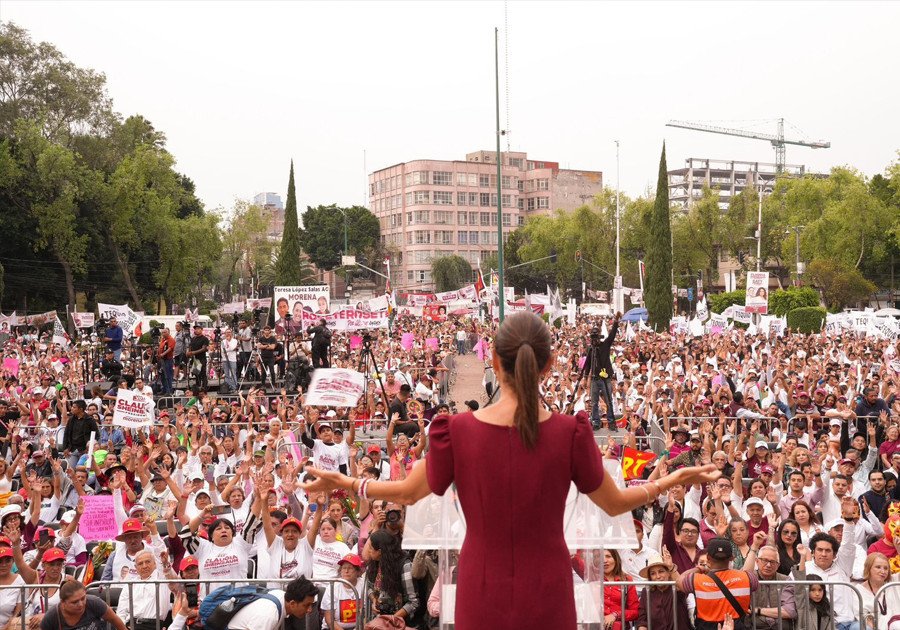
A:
(131, 526)
(852, 462)
(323, 425)
(351, 558)
(198, 325)
(754, 501)
(803, 394)
(762, 444)
(719, 549)
(766, 469)
(199, 492)
(188, 562)
(832, 524)
(164, 412)
(655, 561)
(4, 540)
(37, 533)
(638, 523)
(373, 448)
(259, 453)
(680, 430)
(820, 391)
(835, 422)
(10, 509)
(197, 475)
(113, 469)
(6, 552)
(137, 507)
(67, 517)
(331, 414)
(53, 554)
(292, 521)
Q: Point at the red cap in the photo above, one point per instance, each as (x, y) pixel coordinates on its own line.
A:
(4, 540)
(352, 558)
(50, 533)
(374, 448)
(6, 552)
(53, 554)
(130, 526)
(187, 562)
(638, 523)
(292, 521)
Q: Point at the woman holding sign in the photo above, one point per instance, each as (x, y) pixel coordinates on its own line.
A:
(517, 454)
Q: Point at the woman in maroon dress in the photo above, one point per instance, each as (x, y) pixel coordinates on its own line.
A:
(512, 464)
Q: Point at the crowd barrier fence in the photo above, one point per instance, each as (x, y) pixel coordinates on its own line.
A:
(113, 592)
(882, 616)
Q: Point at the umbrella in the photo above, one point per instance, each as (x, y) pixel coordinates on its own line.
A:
(635, 315)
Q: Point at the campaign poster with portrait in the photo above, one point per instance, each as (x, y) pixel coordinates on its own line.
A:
(757, 300)
(435, 312)
(299, 301)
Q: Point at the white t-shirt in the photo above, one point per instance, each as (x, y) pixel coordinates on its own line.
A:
(326, 557)
(326, 456)
(223, 563)
(259, 615)
(290, 564)
(9, 598)
(229, 349)
(49, 509)
(344, 609)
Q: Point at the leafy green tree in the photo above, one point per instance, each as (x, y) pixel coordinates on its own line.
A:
(699, 235)
(841, 286)
(289, 269)
(450, 272)
(322, 236)
(244, 238)
(658, 292)
(783, 300)
(718, 302)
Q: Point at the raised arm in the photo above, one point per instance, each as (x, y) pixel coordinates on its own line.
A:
(389, 437)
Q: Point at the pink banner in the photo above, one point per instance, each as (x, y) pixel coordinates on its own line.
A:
(479, 349)
(407, 340)
(12, 365)
(355, 342)
(99, 519)
(432, 343)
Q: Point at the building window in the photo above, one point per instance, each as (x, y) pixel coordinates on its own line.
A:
(517, 162)
(484, 181)
(416, 177)
(486, 218)
(508, 201)
(421, 196)
(494, 219)
(410, 276)
(409, 199)
(493, 200)
(462, 237)
(421, 216)
(461, 218)
(462, 199)
(507, 219)
(396, 220)
(422, 257)
(409, 218)
(473, 218)
(442, 198)
(521, 220)
(422, 237)
(486, 238)
(443, 217)
(461, 179)
(409, 238)
(423, 275)
(473, 199)
(543, 202)
(473, 179)
(485, 200)
(543, 184)
(443, 237)
(473, 238)
(520, 203)
(442, 178)
(506, 181)
(396, 202)
(520, 184)
(530, 204)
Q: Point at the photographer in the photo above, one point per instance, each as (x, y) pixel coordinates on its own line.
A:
(112, 337)
(182, 342)
(321, 343)
(267, 344)
(598, 365)
(245, 347)
(166, 354)
(110, 367)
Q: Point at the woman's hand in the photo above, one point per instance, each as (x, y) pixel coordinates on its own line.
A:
(609, 620)
(326, 481)
(696, 474)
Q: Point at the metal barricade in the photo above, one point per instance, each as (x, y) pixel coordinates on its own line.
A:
(644, 442)
(885, 606)
(113, 592)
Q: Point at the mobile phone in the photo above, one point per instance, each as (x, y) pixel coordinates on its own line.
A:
(44, 537)
(191, 592)
(313, 507)
(219, 510)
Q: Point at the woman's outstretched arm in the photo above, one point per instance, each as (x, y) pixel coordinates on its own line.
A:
(405, 492)
(614, 500)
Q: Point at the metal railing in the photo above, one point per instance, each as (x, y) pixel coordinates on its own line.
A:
(886, 605)
(33, 596)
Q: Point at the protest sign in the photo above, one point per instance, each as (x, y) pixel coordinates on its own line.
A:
(379, 303)
(132, 410)
(40, 319)
(299, 301)
(436, 312)
(11, 365)
(232, 308)
(59, 334)
(634, 462)
(740, 315)
(419, 299)
(757, 299)
(8, 321)
(82, 320)
(702, 311)
(346, 319)
(254, 303)
(337, 387)
(99, 519)
(355, 342)
(432, 343)
(128, 320)
(447, 296)
(468, 293)
(407, 340)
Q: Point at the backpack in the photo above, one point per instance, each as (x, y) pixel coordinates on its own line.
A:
(217, 608)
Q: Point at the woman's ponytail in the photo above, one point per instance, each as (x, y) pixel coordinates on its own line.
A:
(526, 376)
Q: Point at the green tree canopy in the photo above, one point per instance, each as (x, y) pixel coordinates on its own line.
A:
(322, 236)
(450, 272)
(658, 293)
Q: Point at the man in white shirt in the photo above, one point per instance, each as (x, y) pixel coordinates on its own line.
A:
(140, 388)
(147, 602)
(229, 358)
(833, 562)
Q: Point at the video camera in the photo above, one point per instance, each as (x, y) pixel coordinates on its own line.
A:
(596, 336)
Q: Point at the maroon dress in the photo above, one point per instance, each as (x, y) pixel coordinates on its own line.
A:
(514, 568)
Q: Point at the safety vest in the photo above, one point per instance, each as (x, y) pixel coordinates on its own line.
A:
(711, 603)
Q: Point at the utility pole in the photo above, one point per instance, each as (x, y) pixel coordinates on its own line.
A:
(759, 229)
(500, 286)
(800, 267)
(620, 306)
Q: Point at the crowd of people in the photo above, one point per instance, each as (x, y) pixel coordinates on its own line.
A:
(805, 430)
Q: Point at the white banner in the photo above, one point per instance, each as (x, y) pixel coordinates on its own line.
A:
(232, 308)
(335, 387)
(129, 321)
(82, 320)
(418, 299)
(637, 296)
(411, 311)
(59, 334)
(702, 311)
(468, 293)
(347, 319)
(379, 303)
(41, 319)
(297, 301)
(133, 410)
(447, 296)
(757, 300)
(8, 321)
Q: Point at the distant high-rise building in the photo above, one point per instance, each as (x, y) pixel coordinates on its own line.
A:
(268, 199)
(433, 208)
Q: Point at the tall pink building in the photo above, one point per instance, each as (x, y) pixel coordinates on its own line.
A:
(433, 208)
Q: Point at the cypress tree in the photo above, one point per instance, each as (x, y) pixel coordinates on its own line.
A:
(289, 269)
(658, 296)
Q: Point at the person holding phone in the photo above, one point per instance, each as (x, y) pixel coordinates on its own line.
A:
(501, 455)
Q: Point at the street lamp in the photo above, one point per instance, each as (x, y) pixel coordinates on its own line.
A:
(800, 266)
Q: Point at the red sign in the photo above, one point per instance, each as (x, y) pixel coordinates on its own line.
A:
(435, 312)
(634, 462)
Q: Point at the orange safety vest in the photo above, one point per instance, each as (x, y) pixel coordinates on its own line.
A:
(711, 603)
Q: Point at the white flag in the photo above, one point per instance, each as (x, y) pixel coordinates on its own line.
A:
(59, 334)
(133, 410)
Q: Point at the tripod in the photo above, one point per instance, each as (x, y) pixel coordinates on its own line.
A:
(254, 354)
(365, 356)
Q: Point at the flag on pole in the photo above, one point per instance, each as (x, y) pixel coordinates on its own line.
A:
(59, 333)
(479, 281)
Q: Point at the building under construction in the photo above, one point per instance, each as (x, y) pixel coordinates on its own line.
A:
(729, 177)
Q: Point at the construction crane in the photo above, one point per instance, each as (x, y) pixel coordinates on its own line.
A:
(778, 141)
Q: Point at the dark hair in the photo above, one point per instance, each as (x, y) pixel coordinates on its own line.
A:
(391, 563)
(786, 561)
(299, 589)
(797, 472)
(523, 346)
(876, 472)
(823, 608)
(215, 524)
(69, 588)
(822, 536)
(689, 521)
(80, 404)
(405, 389)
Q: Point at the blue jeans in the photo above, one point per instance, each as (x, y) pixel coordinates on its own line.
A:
(460, 346)
(230, 370)
(601, 387)
(846, 625)
(167, 374)
(117, 354)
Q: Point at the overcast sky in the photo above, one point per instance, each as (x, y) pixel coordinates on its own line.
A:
(240, 88)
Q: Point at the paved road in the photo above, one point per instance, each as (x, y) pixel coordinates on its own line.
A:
(467, 386)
